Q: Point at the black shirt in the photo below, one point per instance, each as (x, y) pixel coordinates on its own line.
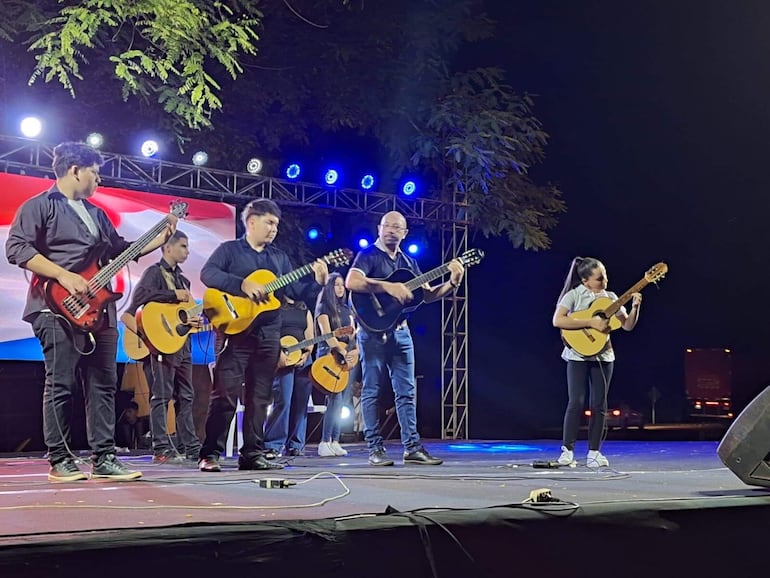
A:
(153, 287)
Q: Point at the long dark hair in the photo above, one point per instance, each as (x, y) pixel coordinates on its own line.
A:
(579, 270)
(329, 303)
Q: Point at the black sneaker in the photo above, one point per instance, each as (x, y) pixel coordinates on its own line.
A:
(378, 457)
(257, 463)
(110, 468)
(422, 457)
(65, 471)
(168, 457)
(209, 464)
(293, 452)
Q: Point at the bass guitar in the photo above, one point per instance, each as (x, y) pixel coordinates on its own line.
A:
(330, 373)
(85, 311)
(292, 348)
(234, 314)
(379, 311)
(589, 341)
(166, 326)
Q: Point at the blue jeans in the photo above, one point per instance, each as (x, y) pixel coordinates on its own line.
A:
(332, 425)
(287, 423)
(393, 352)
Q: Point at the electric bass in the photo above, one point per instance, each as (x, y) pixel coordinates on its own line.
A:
(234, 314)
(330, 373)
(292, 348)
(379, 311)
(589, 341)
(85, 312)
(166, 326)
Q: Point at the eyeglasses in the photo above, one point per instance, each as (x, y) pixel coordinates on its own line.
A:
(392, 227)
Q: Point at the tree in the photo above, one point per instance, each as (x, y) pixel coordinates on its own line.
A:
(276, 76)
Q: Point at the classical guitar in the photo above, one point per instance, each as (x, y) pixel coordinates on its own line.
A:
(293, 348)
(380, 311)
(233, 314)
(85, 312)
(589, 341)
(330, 373)
(166, 326)
(133, 343)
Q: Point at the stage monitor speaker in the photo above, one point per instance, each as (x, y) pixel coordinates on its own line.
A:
(745, 447)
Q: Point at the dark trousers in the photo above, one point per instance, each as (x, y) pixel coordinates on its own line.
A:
(287, 424)
(596, 377)
(65, 367)
(170, 378)
(245, 370)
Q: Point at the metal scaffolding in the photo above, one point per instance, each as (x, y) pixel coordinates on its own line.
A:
(30, 157)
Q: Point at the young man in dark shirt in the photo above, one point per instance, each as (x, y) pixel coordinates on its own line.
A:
(169, 376)
(247, 361)
(54, 235)
(392, 350)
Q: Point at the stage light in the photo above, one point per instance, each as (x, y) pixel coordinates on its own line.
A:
(345, 412)
(200, 158)
(31, 127)
(254, 166)
(409, 188)
(149, 148)
(331, 177)
(313, 233)
(293, 171)
(363, 242)
(413, 248)
(367, 182)
(95, 140)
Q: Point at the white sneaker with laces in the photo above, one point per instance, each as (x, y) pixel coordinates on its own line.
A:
(595, 459)
(338, 449)
(325, 450)
(567, 457)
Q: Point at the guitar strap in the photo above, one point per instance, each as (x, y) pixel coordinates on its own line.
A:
(170, 281)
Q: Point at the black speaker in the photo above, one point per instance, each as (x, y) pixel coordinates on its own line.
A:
(745, 447)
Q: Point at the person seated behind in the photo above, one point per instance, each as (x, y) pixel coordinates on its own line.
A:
(131, 429)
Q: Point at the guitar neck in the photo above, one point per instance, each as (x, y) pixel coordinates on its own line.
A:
(106, 273)
(287, 279)
(431, 275)
(625, 298)
(307, 342)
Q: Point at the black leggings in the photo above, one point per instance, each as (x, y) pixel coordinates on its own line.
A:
(597, 376)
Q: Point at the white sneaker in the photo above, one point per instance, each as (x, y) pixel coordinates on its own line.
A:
(567, 457)
(338, 449)
(325, 450)
(595, 459)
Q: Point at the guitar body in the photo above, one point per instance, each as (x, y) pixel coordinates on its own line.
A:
(84, 312)
(292, 357)
(134, 345)
(165, 325)
(232, 314)
(588, 342)
(379, 312)
(330, 373)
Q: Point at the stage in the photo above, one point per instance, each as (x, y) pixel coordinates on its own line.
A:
(662, 507)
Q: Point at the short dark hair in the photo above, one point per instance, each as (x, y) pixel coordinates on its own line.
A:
(260, 207)
(79, 154)
(176, 237)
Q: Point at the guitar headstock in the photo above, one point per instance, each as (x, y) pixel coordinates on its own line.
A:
(471, 257)
(179, 208)
(343, 331)
(338, 257)
(656, 272)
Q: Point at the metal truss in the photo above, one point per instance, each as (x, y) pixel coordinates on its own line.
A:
(30, 157)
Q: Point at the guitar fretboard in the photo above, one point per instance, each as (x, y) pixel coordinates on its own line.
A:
(431, 275)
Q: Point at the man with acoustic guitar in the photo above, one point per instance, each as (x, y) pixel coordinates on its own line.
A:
(57, 235)
(169, 376)
(246, 361)
(392, 350)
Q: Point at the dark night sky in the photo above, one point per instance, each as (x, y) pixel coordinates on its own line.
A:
(658, 114)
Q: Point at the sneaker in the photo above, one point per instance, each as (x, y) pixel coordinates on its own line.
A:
(271, 453)
(257, 463)
(293, 452)
(65, 471)
(422, 457)
(567, 457)
(209, 464)
(325, 450)
(168, 457)
(338, 449)
(595, 459)
(110, 468)
(378, 457)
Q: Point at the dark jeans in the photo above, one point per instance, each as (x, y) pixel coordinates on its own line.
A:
(287, 423)
(596, 376)
(65, 368)
(245, 370)
(392, 352)
(170, 378)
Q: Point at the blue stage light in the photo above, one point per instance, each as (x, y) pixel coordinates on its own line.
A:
(409, 188)
(149, 148)
(293, 171)
(331, 177)
(363, 243)
(313, 233)
(413, 248)
(31, 127)
(367, 182)
(200, 158)
(95, 140)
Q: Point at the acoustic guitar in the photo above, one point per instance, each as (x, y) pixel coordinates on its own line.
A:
(85, 311)
(133, 342)
(330, 373)
(379, 311)
(292, 348)
(589, 341)
(234, 314)
(166, 326)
